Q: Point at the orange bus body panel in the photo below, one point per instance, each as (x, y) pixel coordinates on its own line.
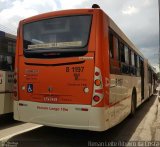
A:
(102, 55)
(52, 73)
(66, 86)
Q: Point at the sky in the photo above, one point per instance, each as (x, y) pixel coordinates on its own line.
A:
(138, 19)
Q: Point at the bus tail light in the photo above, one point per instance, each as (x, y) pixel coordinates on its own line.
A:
(96, 73)
(98, 87)
(97, 82)
(96, 98)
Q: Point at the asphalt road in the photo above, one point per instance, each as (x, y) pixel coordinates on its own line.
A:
(55, 137)
(7, 121)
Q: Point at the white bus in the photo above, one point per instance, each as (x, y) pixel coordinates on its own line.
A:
(7, 51)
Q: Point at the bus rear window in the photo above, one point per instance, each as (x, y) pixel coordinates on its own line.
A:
(57, 33)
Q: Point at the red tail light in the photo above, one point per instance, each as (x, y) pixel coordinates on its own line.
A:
(96, 98)
(96, 73)
(98, 87)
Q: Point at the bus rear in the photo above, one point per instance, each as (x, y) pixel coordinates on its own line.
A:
(57, 80)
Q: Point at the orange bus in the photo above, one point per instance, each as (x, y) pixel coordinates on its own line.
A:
(7, 53)
(76, 69)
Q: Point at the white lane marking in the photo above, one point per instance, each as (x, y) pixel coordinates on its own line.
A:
(16, 130)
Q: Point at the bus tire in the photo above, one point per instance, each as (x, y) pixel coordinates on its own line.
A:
(133, 104)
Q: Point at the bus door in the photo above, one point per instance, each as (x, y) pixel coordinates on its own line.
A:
(142, 78)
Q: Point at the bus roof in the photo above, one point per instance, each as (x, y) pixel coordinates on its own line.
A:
(10, 36)
(59, 13)
(7, 35)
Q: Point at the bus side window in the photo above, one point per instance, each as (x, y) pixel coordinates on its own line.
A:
(116, 49)
(111, 51)
(135, 59)
(132, 68)
(7, 49)
(126, 55)
(122, 53)
(129, 52)
(123, 58)
(116, 55)
(125, 61)
(138, 66)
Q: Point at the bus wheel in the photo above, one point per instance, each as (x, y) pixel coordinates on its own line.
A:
(133, 104)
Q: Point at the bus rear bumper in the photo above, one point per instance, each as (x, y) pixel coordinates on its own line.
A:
(82, 117)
